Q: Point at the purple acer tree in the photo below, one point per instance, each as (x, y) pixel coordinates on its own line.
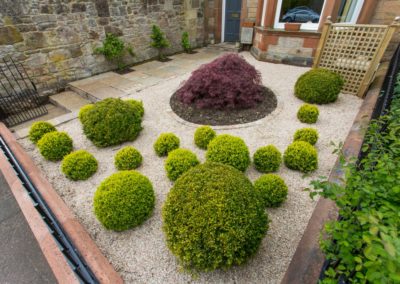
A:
(228, 82)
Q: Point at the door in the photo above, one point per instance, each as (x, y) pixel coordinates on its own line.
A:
(232, 20)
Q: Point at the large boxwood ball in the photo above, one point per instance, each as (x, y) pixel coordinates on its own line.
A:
(79, 165)
(301, 156)
(309, 135)
(38, 129)
(203, 136)
(138, 105)
(213, 218)
(128, 158)
(124, 200)
(229, 150)
(308, 113)
(319, 86)
(178, 162)
(111, 121)
(267, 159)
(55, 145)
(165, 143)
(83, 111)
(272, 189)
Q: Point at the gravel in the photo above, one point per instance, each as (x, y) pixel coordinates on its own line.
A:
(140, 255)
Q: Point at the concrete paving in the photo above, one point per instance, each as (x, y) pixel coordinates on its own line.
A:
(21, 259)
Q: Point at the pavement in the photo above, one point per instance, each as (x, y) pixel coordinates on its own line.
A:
(21, 259)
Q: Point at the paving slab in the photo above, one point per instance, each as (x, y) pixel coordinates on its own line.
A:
(68, 100)
(21, 259)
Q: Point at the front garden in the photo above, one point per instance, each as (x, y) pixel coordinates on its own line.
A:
(167, 214)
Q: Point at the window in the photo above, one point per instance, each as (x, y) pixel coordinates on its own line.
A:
(307, 12)
(349, 10)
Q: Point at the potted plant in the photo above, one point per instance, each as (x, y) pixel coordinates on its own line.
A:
(293, 27)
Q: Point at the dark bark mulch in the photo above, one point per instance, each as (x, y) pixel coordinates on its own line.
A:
(224, 117)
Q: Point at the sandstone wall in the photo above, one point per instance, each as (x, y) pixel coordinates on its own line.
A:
(55, 39)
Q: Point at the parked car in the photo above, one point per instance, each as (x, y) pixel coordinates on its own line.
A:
(301, 14)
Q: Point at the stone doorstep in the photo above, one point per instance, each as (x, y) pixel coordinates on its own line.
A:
(87, 248)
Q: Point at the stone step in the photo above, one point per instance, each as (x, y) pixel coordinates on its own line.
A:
(225, 46)
(69, 101)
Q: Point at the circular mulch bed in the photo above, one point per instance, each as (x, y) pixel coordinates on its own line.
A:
(224, 117)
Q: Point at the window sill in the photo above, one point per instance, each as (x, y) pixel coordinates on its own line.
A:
(271, 31)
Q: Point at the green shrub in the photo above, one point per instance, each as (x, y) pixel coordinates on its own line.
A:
(308, 113)
(213, 218)
(38, 129)
(79, 165)
(309, 135)
(301, 156)
(319, 86)
(124, 200)
(111, 121)
(185, 42)
(165, 143)
(267, 159)
(55, 145)
(158, 41)
(203, 136)
(178, 162)
(114, 50)
(229, 150)
(272, 188)
(128, 158)
(84, 111)
(138, 105)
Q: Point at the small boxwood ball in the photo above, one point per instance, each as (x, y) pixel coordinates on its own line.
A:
(301, 156)
(79, 165)
(124, 200)
(165, 143)
(128, 158)
(309, 135)
(203, 136)
(308, 113)
(213, 218)
(38, 129)
(267, 159)
(178, 162)
(111, 122)
(84, 111)
(138, 105)
(55, 145)
(319, 86)
(272, 189)
(229, 150)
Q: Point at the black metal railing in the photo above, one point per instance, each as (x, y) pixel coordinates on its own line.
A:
(19, 99)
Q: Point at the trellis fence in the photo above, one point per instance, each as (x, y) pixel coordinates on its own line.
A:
(354, 51)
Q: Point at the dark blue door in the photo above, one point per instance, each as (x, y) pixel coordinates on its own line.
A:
(232, 20)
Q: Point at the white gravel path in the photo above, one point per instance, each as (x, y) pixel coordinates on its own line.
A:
(140, 255)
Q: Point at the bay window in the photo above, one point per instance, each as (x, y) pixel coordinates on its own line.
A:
(349, 10)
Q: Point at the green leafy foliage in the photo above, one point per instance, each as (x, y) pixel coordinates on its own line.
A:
(203, 136)
(301, 156)
(138, 105)
(229, 150)
(213, 218)
(55, 145)
(128, 158)
(308, 113)
(111, 122)
(124, 200)
(309, 135)
(84, 111)
(165, 143)
(79, 165)
(364, 244)
(114, 50)
(185, 42)
(319, 86)
(159, 41)
(272, 188)
(38, 129)
(178, 162)
(267, 159)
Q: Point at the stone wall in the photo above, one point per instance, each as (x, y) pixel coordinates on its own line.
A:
(55, 39)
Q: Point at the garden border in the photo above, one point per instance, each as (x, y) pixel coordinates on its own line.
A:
(98, 263)
(308, 260)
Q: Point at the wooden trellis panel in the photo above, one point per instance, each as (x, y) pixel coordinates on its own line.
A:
(354, 51)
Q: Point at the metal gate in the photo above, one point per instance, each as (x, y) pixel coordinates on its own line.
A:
(19, 99)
